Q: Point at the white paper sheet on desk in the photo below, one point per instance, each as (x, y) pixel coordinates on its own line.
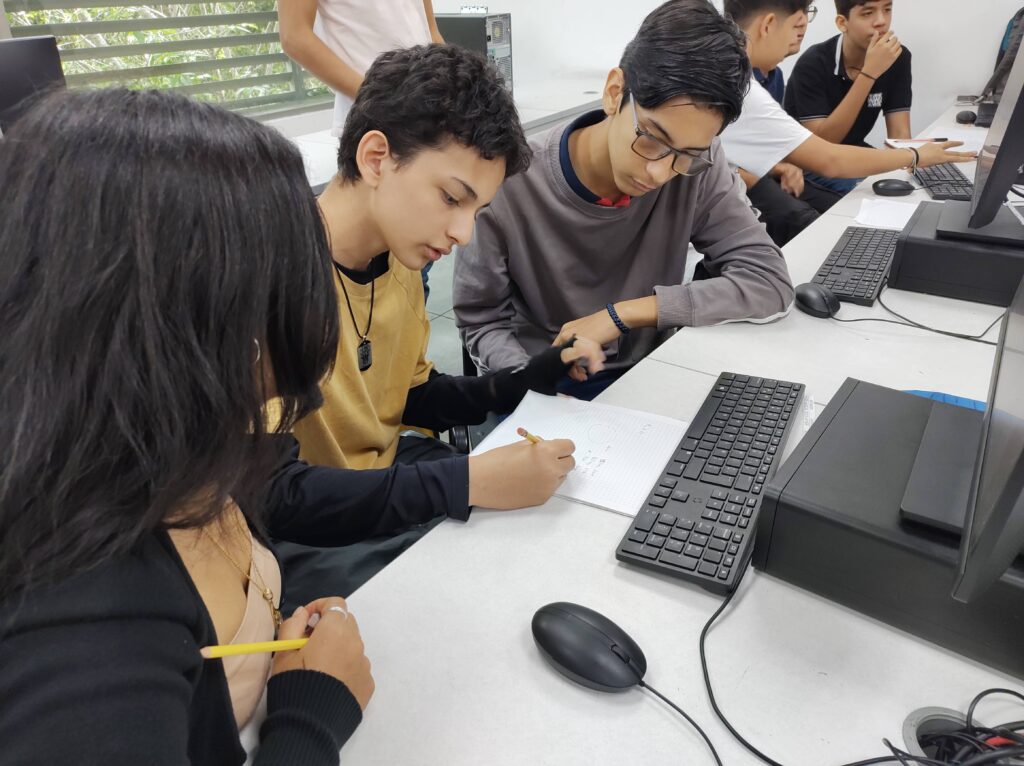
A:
(884, 214)
(620, 453)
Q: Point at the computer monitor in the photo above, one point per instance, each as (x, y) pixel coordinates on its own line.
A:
(993, 533)
(28, 66)
(1000, 160)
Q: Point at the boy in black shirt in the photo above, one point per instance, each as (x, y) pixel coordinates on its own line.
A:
(839, 87)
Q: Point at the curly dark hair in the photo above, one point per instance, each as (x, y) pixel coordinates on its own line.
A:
(425, 96)
(149, 243)
(687, 48)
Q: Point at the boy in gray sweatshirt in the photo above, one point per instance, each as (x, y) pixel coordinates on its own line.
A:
(593, 239)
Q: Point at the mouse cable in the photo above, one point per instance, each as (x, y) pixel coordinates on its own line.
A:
(897, 756)
(907, 322)
(681, 712)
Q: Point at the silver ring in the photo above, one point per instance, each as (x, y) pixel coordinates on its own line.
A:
(339, 609)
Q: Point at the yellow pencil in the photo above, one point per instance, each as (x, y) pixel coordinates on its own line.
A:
(232, 650)
(527, 435)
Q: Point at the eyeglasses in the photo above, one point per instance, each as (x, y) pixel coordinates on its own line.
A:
(650, 148)
(812, 11)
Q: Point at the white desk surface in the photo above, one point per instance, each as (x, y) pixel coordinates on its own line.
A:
(536, 101)
(447, 625)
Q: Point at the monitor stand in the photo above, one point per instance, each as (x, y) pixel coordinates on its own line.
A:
(1005, 229)
(939, 486)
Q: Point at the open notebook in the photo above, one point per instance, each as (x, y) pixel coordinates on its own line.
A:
(620, 453)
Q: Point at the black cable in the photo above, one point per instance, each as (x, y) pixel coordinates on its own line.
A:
(707, 677)
(681, 712)
(980, 697)
(1016, 191)
(907, 322)
(994, 757)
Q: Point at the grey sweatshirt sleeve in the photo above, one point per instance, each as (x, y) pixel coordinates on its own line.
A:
(747, 275)
(482, 298)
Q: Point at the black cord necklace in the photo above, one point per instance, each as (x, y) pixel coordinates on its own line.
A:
(364, 352)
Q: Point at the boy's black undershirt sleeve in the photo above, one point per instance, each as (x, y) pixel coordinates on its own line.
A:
(445, 401)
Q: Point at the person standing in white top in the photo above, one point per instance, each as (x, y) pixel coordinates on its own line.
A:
(337, 40)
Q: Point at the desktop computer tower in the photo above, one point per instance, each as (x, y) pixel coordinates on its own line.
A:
(836, 521)
(489, 35)
(930, 260)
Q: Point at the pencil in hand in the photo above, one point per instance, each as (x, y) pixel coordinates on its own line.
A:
(233, 650)
(527, 435)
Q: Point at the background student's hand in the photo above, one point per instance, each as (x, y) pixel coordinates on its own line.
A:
(938, 152)
(335, 648)
(587, 358)
(519, 475)
(598, 327)
(791, 178)
(883, 50)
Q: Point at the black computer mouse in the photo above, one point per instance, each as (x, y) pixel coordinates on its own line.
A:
(966, 117)
(816, 300)
(892, 187)
(588, 647)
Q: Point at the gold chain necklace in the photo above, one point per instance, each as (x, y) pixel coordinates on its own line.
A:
(260, 584)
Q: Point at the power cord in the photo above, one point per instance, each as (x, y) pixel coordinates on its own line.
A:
(911, 323)
(681, 712)
(990, 751)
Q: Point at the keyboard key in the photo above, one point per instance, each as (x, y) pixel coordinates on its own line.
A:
(638, 536)
(667, 518)
(713, 556)
(700, 540)
(689, 445)
(724, 533)
(680, 534)
(663, 492)
(675, 546)
(719, 494)
(734, 508)
(645, 520)
(744, 523)
(657, 502)
(756, 489)
(748, 512)
(707, 568)
(728, 519)
(681, 496)
(655, 541)
(717, 545)
(636, 549)
(693, 468)
(662, 529)
(720, 480)
(693, 550)
(670, 483)
(684, 524)
(723, 574)
(728, 561)
(751, 501)
(733, 550)
(689, 563)
(737, 537)
(710, 515)
(744, 483)
(715, 505)
(676, 469)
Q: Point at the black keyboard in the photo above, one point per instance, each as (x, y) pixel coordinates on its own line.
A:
(858, 264)
(698, 522)
(945, 182)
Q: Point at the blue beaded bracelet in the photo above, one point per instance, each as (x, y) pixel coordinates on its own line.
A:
(615, 318)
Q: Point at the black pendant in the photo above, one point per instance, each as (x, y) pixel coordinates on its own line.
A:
(365, 355)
